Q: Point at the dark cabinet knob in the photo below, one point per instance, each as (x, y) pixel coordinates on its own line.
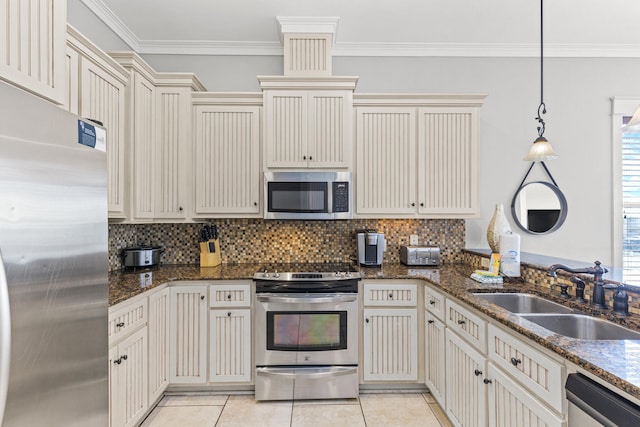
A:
(255, 203)
(487, 381)
(304, 157)
(432, 302)
(202, 297)
(430, 321)
(229, 314)
(310, 158)
(366, 320)
(413, 204)
(124, 357)
(120, 324)
(477, 372)
(390, 296)
(180, 209)
(118, 361)
(229, 296)
(461, 322)
(515, 361)
(422, 205)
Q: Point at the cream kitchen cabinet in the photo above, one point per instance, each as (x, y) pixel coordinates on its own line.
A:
(434, 342)
(227, 155)
(230, 333)
(308, 121)
(32, 46)
(417, 155)
(158, 135)
(390, 333)
(466, 390)
(128, 374)
(188, 334)
(158, 328)
(96, 90)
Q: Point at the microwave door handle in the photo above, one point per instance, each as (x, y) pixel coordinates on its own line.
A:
(5, 337)
(307, 300)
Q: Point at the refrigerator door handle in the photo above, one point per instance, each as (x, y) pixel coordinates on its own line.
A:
(5, 338)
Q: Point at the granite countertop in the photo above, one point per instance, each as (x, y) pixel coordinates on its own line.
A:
(617, 362)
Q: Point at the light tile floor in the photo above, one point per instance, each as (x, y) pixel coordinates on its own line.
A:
(369, 410)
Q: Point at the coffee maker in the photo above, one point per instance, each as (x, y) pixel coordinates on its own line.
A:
(371, 247)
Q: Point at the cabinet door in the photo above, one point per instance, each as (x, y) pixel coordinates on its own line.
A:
(158, 344)
(465, 387)
(32, 46)
(390, 340)
(286, 128)
(141, 136)
(173, 152)
(386, 163)
(448, 162)
(103, 99)
(188, 334)
(129, 398)
(434, 342)
(227, 160)
(330, 132)
(511, 405)
(230, 345)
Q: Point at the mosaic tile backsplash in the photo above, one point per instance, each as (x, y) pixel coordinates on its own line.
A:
(257, 240)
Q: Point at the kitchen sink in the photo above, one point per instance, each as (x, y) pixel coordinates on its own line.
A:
(582, 327)
(523, 303)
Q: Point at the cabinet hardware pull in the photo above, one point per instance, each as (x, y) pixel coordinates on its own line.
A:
(229, 296)
(118, 361)
(120, 324)
(390, 296)
(477, 372)
(461, 322)
(310, 158)
(255, 203)
(515, 361)
(432, 302)
(413, 204)
(180, 209)
(229, 314)
(366, 320)
(202, 297)
(124, 357)
(487, 381)
(422, 204)
(304, 157)
(430, 321)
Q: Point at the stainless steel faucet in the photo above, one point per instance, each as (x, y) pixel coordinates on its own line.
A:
(598, 285)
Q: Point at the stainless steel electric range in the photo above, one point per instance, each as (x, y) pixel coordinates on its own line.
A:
(306, 332)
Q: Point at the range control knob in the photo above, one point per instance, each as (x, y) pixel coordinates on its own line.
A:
(265, 274)
(276, 274)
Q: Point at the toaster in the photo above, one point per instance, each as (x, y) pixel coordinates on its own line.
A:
(420, 255)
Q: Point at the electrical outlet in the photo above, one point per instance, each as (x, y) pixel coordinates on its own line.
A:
(413, 240)
(484, 262)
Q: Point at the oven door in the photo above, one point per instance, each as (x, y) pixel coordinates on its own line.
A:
(304, 329)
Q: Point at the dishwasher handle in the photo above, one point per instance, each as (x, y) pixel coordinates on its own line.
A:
(600, 403)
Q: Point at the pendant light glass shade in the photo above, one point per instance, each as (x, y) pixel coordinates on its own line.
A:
(540, 151)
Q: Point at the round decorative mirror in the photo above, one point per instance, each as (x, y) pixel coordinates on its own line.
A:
(539, 207)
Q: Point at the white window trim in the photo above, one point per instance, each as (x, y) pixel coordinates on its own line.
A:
(620, 106)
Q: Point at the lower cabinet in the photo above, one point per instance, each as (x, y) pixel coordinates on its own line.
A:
(158, 344)
(188, 334)
(434, 369)
(128, 380)
(465, 382)
(230, 345)
(511, 405)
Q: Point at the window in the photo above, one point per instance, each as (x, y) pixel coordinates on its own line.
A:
(630, 151)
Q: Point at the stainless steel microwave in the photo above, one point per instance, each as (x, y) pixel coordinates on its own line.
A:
(308, 195)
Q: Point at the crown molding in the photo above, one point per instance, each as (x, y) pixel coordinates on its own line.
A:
(330, 24)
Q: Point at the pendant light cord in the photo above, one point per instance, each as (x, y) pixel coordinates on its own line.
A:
(542, 108)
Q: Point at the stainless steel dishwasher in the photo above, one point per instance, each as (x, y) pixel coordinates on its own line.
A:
(593, 405)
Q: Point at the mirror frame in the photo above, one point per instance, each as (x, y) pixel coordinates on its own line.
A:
(563, 207)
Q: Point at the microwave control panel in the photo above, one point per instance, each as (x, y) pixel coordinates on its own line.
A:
(340, 196)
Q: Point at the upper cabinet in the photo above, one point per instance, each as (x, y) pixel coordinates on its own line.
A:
(32, 46)
(307, 121)
(227, 154)
(417, 155)
(158, 135)
(96, 86)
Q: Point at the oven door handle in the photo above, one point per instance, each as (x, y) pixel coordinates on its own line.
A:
(309, 373)
(316, 299)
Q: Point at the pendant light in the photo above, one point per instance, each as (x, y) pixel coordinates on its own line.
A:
(541, 149)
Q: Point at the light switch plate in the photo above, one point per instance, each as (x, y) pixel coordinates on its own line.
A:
(413, 240)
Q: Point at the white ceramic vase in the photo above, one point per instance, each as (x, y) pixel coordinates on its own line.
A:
(497, 226)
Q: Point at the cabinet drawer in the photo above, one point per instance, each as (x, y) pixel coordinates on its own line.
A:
(126, 317)
(390, 295)
(535, 370)
(466, 324)
(230, 295)
(434, 302)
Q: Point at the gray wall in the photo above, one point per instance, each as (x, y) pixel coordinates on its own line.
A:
(577, 93)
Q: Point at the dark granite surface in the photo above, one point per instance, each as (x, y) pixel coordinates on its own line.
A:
(617, 362)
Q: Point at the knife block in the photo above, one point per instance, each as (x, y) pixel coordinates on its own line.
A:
(210, 259)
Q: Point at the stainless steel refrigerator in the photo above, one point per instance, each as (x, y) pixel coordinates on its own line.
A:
(53, 266)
